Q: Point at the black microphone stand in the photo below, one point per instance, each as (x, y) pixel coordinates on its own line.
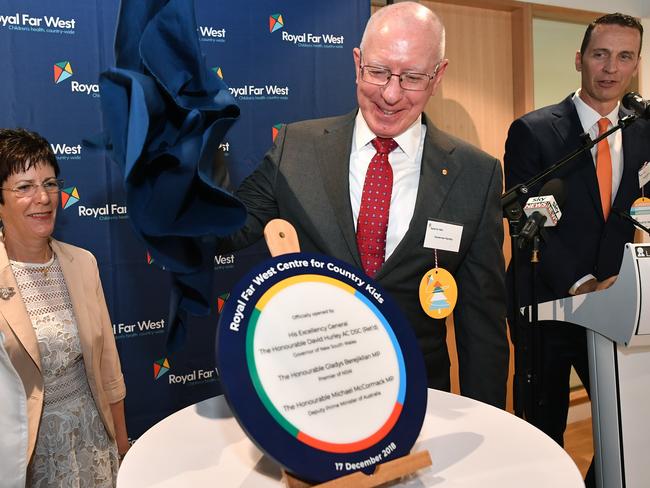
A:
(528, 357)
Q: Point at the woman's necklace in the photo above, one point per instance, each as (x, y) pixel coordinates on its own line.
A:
(45, 266)
(48, 265)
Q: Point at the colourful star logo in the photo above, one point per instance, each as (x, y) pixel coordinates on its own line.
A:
(275, 22)
(160, 367)
(276, 128)
(217, 71)
(69, 196)
(221, 301)
(62, 71)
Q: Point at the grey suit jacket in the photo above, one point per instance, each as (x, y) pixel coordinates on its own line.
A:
(304, 180)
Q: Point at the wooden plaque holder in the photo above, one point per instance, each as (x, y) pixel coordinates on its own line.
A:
(384, 473)
(281, 237)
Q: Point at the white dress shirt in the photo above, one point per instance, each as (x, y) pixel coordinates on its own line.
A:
(589, 119)
(405, 161)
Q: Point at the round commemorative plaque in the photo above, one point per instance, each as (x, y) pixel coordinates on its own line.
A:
(320, 368)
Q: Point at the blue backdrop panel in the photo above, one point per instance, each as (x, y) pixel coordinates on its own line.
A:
(283, 61)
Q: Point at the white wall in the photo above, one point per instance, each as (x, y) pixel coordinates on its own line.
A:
(554, 47)
(638, 8)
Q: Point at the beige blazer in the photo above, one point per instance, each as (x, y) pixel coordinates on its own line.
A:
(95, 333)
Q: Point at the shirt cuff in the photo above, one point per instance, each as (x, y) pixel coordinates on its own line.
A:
(576, 285)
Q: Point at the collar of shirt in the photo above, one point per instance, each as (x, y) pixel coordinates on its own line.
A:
(589, 117)
(408, 141)
(405, 161)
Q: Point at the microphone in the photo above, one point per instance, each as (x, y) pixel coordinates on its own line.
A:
(626, 216)
(634, 102)
(543, 210)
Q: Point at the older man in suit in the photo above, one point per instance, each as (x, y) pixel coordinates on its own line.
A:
(319, 176)
(584, 252)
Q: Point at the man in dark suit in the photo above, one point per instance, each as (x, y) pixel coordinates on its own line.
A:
(315, 175)
(583, 252)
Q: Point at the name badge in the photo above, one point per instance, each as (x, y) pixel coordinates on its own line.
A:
(644, 174)
(443, 236)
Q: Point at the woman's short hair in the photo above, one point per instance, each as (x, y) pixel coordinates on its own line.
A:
(20, 150)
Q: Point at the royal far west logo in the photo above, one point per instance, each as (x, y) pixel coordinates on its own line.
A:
(259, 93)
(27, 22)
(221, 301)
(139, 328)
(64, 152)
(304, 39)
(63, 71)
(109, 211)
(208, 33)
(160, 368)
(69, 197)
(275, 22)
(223, 261)
(253, 92)
(275, 130)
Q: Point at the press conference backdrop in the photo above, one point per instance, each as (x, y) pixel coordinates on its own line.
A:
(283, 60)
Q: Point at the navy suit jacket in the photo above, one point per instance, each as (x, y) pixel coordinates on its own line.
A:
(583, 242)
(304, 179)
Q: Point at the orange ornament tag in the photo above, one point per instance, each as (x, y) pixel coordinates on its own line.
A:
(640, 212)
(438, 293)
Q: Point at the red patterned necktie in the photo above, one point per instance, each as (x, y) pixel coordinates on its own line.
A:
(372, 222)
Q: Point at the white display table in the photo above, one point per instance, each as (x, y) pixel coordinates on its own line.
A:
(471, 444)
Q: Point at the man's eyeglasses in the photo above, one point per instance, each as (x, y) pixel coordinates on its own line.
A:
(28, 189)
(379, 76)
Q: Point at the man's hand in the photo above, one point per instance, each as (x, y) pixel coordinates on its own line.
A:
(595, 285)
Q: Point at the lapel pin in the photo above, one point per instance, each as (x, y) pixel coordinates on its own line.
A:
(444, 172)
(7, 293)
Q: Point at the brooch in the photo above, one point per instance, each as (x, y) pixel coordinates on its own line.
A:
(7, 293)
